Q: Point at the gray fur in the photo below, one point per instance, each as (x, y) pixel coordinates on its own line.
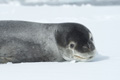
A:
(22, 41)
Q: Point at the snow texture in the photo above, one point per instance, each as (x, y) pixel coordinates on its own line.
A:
(104, 23)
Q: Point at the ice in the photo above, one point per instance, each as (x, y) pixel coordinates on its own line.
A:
(104, 23)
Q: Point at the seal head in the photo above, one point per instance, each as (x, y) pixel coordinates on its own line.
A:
(75, 42)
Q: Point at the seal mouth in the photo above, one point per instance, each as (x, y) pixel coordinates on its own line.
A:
(79, 57)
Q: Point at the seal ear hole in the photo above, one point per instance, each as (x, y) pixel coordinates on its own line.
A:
(72, 45)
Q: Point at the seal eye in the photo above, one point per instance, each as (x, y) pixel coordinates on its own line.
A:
(72, 45)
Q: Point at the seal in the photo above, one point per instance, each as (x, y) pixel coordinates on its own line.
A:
(23, 41)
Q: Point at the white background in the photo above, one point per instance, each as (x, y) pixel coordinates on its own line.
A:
(104, 23)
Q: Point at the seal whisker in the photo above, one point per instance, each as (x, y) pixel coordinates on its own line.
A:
(79, 57)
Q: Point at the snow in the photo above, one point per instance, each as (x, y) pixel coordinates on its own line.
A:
(104, 23)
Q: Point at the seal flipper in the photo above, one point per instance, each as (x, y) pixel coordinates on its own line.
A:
(9, 48)
(7, 59)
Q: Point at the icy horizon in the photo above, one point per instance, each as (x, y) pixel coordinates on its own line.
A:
(62, 2)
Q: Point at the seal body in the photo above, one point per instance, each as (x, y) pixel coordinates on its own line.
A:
(22, 41)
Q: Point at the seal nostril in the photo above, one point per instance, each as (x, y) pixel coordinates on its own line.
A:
(91, 57)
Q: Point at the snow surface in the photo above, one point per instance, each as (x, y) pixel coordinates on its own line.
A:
(104, 23)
